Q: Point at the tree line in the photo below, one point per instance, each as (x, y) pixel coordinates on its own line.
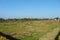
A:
(15, 19)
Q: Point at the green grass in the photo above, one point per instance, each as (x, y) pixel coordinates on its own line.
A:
(25, 26)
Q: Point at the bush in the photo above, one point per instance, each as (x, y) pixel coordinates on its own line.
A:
(59, 37)
(2, 38)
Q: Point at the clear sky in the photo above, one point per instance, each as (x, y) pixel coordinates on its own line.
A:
(29, 8)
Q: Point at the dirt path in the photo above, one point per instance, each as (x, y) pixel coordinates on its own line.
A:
(50, 35)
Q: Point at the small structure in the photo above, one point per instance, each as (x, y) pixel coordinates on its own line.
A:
(57, 19)
(58, 36)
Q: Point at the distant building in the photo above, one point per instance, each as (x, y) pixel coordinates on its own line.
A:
(57, 19)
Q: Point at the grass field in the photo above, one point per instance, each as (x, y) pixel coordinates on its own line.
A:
(28, 29)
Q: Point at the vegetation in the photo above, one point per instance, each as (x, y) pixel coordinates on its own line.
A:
(2, 38)
(27, 29)
(59, 37)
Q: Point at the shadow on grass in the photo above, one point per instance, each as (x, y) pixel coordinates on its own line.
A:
(8, 36)
(57, 37)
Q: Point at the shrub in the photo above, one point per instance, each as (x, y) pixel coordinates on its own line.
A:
(2, 38)
(59, 37)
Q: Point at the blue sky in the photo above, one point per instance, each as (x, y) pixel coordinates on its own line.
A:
(29, 8)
